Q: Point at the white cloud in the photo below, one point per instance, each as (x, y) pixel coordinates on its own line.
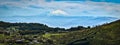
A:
(58, 12)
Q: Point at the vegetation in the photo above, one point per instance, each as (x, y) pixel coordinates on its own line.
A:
(40, 34)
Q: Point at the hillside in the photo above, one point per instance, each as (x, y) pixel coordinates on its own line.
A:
(106, 34)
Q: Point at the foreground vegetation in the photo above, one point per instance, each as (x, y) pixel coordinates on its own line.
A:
(40, 34)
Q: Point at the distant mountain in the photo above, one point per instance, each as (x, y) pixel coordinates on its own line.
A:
(60, 21)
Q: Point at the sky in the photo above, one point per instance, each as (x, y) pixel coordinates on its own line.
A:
(60, 7)
(49, 9)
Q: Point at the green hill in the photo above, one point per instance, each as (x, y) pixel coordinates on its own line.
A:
(106, 34)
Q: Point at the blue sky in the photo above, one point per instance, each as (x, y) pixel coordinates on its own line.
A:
(49, 9)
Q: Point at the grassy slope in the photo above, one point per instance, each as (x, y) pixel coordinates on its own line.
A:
(108, 34)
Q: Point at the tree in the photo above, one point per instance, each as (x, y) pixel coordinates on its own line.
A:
(88, 27)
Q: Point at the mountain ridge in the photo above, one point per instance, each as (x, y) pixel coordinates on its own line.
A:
(57, 21)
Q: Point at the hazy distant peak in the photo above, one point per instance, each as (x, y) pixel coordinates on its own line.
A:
(58, 12)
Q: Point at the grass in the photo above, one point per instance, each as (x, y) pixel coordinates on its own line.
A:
(48, 35)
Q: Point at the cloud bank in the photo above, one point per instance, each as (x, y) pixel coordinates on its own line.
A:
(44, 7)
